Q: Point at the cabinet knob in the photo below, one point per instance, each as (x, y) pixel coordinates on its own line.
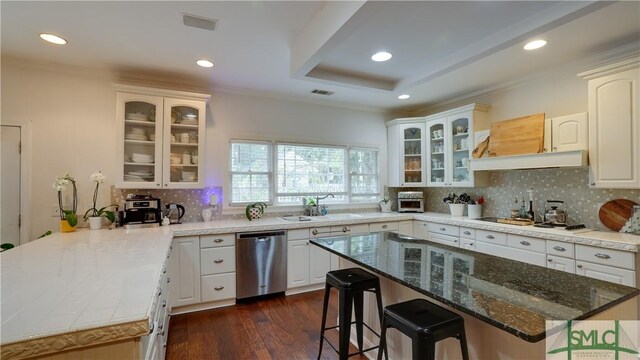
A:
(467, 233)
(579, 266)
(164, 303)
(443, 229)
(593, 184)
(218, 288)
(549, 260)
(158, 185)
(168, 280)
(217, 261)
(218, 241)
(165, 185)
(345, 229)
(384, 226)
(314, 231)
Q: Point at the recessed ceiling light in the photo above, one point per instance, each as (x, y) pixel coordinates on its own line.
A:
(54, 39)
(404, 96)
(381, 56)
(535, 44)
(204, 63)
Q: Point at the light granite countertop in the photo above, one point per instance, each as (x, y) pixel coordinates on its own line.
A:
(69, 283)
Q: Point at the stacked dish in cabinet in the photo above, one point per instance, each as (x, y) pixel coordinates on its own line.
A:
(184, 144)
(139, 141)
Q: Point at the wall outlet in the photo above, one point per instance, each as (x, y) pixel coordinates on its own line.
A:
(55, 211)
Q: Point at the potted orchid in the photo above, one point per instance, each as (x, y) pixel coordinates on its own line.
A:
(68, 218)
(385, 203)
(95, 215)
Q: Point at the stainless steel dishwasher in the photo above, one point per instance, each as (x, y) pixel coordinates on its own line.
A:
(261, 263)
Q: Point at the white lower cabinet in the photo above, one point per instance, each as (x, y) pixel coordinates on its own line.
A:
(530, 257)
(319, 264)
(185, 271)
(297, 263)
(218, 287)
(606, 273)
(562, 264)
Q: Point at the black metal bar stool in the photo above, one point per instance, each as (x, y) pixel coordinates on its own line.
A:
(425, 323)
(351, 285)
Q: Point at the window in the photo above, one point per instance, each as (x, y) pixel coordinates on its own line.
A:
(250, 169)
(301, 170)
(363, 170)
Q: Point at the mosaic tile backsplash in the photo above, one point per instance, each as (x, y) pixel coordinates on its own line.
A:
(568, 185)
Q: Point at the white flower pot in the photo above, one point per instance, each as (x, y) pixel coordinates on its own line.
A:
(457, 209)
(474, 211)
(385, 207)
(95, 222)
(207, 214)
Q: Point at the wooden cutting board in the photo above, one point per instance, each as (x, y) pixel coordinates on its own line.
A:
(615, 213)
(519, 136)
(521, 222)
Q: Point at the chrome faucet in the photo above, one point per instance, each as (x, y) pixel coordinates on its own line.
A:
(316, 210)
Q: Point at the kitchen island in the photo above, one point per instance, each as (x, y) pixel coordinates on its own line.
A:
(491, 292)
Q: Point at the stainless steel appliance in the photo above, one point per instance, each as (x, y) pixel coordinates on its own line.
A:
(410, 201)
(261, 263)
(174, 212)
(553, 215)
(141, 211)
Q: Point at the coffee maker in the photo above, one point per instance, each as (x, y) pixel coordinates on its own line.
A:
(141, 211)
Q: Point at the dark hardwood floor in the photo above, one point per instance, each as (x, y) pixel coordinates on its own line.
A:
(281, 327)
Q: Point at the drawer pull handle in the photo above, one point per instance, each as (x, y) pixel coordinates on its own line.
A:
(159, 292)
(168, 279)
(314, 231)
(559, 248)
(153, 325)
(602, 256)
(384, 226)
(580, 266)
(217, 261)
(160, 326)
(490, 237)
(164, 303)
(467, 232)
(218, 241)
(345, 229)
(549, 260)
(218, 288)
(525, 243)
(443, 229)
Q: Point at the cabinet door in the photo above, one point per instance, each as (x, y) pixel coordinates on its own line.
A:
(405, 228)
(297, 263)
(139, 149)
(185, 271)
(437, 152)
(606, 273)
(184, 124)
(420, 230)
(569, 132)
(319, 264)
(461, 145)
(562, 264)
(412, 149)
(614, 130)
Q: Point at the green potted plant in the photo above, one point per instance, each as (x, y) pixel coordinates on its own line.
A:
(385, 203)
(68, 218)
(95, 215)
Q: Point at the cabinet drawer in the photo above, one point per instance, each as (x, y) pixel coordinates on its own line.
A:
(491, 237)
(606, 273)
(468, 233)
(559, 248)
(511, 253)
(218, 287)
(351, 229)
(617, 258)
(443, 229)
(217, 260)
(297, 234)
(208, 241)
(468, 244)
(562, 264)
(384, 226)
(322, 231)
(444, 239)
(526, 243)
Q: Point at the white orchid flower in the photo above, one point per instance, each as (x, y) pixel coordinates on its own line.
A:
(97, 177)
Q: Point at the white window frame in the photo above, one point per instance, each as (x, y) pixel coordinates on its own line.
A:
(378, 192)
(269, 173)
(345, 193)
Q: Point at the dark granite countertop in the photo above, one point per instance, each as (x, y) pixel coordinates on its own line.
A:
(511, 295)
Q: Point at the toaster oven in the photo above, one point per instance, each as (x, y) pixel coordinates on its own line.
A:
(410, 201)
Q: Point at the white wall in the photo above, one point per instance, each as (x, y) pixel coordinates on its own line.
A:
(73, 121)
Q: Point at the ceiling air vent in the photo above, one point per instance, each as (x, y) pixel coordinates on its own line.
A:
(199, 22)
(322, 92)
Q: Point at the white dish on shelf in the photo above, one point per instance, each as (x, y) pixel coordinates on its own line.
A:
(137, 116)
(140, 173)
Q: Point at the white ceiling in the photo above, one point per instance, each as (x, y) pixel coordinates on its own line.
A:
(441, 50)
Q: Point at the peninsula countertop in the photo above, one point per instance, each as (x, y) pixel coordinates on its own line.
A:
(511, 295)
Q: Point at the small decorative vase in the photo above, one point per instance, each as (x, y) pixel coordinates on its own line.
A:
(255, 211)
(474, 211)
(456, 209)
(65, 227)
(385, 207)
(207, 214)
(95, 222)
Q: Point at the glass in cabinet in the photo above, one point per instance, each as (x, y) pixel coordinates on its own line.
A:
(461, 147)
(412, 148)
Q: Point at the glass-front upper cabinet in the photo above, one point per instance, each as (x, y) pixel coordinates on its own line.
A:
(412, 148)
(437, 158)
(140, 145)
(160, 138)
(461, 148)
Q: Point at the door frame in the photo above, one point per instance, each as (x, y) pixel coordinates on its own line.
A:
(25, 178)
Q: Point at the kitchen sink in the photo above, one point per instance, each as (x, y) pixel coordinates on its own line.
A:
(342, 216)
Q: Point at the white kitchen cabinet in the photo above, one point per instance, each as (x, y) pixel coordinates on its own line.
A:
(405, 228)
(614, 125)
(319, 264)
(160, 140)
(561, 263)
(449, 147)
(185, 271)
(606, 273)
(297, 263)
(569, 133)
(406, 157)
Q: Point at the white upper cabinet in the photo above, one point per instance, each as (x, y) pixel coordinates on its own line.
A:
(569, 133)
(160, 138)
(614, 125)
(406, 160)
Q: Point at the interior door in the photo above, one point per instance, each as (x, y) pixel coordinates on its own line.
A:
(10, 208)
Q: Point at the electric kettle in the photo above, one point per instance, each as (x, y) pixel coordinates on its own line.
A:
(174, 212)
(553, 215)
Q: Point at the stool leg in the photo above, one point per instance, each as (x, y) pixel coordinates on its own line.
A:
(358, 299)
(381, 318)
(346, 303)
(383, 340)
(463, 344)
(325, 305)
(423, 348)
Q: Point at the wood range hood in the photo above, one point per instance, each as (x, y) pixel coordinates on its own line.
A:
(561, 159)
